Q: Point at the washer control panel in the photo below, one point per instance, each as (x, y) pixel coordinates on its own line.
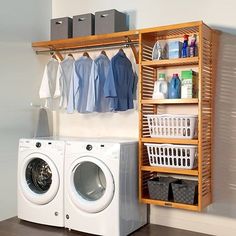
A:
(42, 145)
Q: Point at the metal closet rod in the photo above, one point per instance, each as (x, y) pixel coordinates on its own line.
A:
(71, 50)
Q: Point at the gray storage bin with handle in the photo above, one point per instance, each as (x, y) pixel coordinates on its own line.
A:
(160, 188)
(110, 21)
(61, 28)
(83, 25)
(185, 191)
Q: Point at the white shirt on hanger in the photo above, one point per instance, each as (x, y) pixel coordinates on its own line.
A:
(64, 75)
(48, 85)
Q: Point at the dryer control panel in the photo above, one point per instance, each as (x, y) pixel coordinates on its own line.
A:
(107, 150)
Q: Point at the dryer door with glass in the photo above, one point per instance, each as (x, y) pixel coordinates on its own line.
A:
(39, 178)
(91, 186)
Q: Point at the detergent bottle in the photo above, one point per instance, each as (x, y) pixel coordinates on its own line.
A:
(175, 87)
(160, 88)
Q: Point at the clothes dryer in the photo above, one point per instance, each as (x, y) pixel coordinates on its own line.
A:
(40, 181)
(101, 187)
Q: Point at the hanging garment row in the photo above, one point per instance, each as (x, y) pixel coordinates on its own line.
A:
(86, 85)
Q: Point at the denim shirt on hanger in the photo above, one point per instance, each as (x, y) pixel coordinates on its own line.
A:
(120, 83)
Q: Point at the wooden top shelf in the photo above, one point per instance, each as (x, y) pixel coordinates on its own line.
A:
(169, 140)
(89, 41)
(171, 62)
(170, 101)
(170, 170)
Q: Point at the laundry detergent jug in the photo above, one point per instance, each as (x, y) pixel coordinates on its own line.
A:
(175, 87)
(160, 88)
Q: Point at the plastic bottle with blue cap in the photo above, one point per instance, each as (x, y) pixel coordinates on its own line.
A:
(175, 87)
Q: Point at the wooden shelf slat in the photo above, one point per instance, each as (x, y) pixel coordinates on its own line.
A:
(89, 41)
(171, 62)
(170, 204)
(170, 170)
(168, 28)
(171, 101)
(169, 140)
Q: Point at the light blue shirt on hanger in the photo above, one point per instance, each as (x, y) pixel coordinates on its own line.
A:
(99, 72)
(78, 95)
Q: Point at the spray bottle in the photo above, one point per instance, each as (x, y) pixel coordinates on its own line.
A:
(185, 49)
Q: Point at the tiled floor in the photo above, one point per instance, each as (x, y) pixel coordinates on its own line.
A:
(16, 227)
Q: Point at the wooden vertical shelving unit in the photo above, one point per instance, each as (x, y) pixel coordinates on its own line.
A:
(203, 106)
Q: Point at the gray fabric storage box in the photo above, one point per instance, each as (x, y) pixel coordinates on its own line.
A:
(110, 21)
(83, 25)
(185, 191)
(61, 28)
(159, 188)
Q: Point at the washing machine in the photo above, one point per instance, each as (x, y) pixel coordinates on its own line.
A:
(40, 181)
(101, 187)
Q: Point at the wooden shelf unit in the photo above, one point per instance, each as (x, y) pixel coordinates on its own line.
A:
(148, 70)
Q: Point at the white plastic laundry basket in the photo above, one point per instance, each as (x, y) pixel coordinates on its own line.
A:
(172, 126)
(169, 155)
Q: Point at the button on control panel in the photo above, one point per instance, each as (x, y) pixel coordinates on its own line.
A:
(89, 147)
(38, 144)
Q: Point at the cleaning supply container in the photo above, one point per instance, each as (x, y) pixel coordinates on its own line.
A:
(175, 87)
(160, 88)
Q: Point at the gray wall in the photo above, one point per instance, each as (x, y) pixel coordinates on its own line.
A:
(21, 22)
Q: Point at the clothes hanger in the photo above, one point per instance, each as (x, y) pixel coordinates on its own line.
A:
(70, 55)
(121, 50)
(54, 56)
(104, 53)
(85, 54)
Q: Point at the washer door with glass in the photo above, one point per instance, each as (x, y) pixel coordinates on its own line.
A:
(91, 184)
(39, 179)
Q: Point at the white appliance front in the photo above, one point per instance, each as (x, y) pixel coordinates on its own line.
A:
(94, 200)
(40, 181)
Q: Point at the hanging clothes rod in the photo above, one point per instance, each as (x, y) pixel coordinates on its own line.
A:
(90, 48)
